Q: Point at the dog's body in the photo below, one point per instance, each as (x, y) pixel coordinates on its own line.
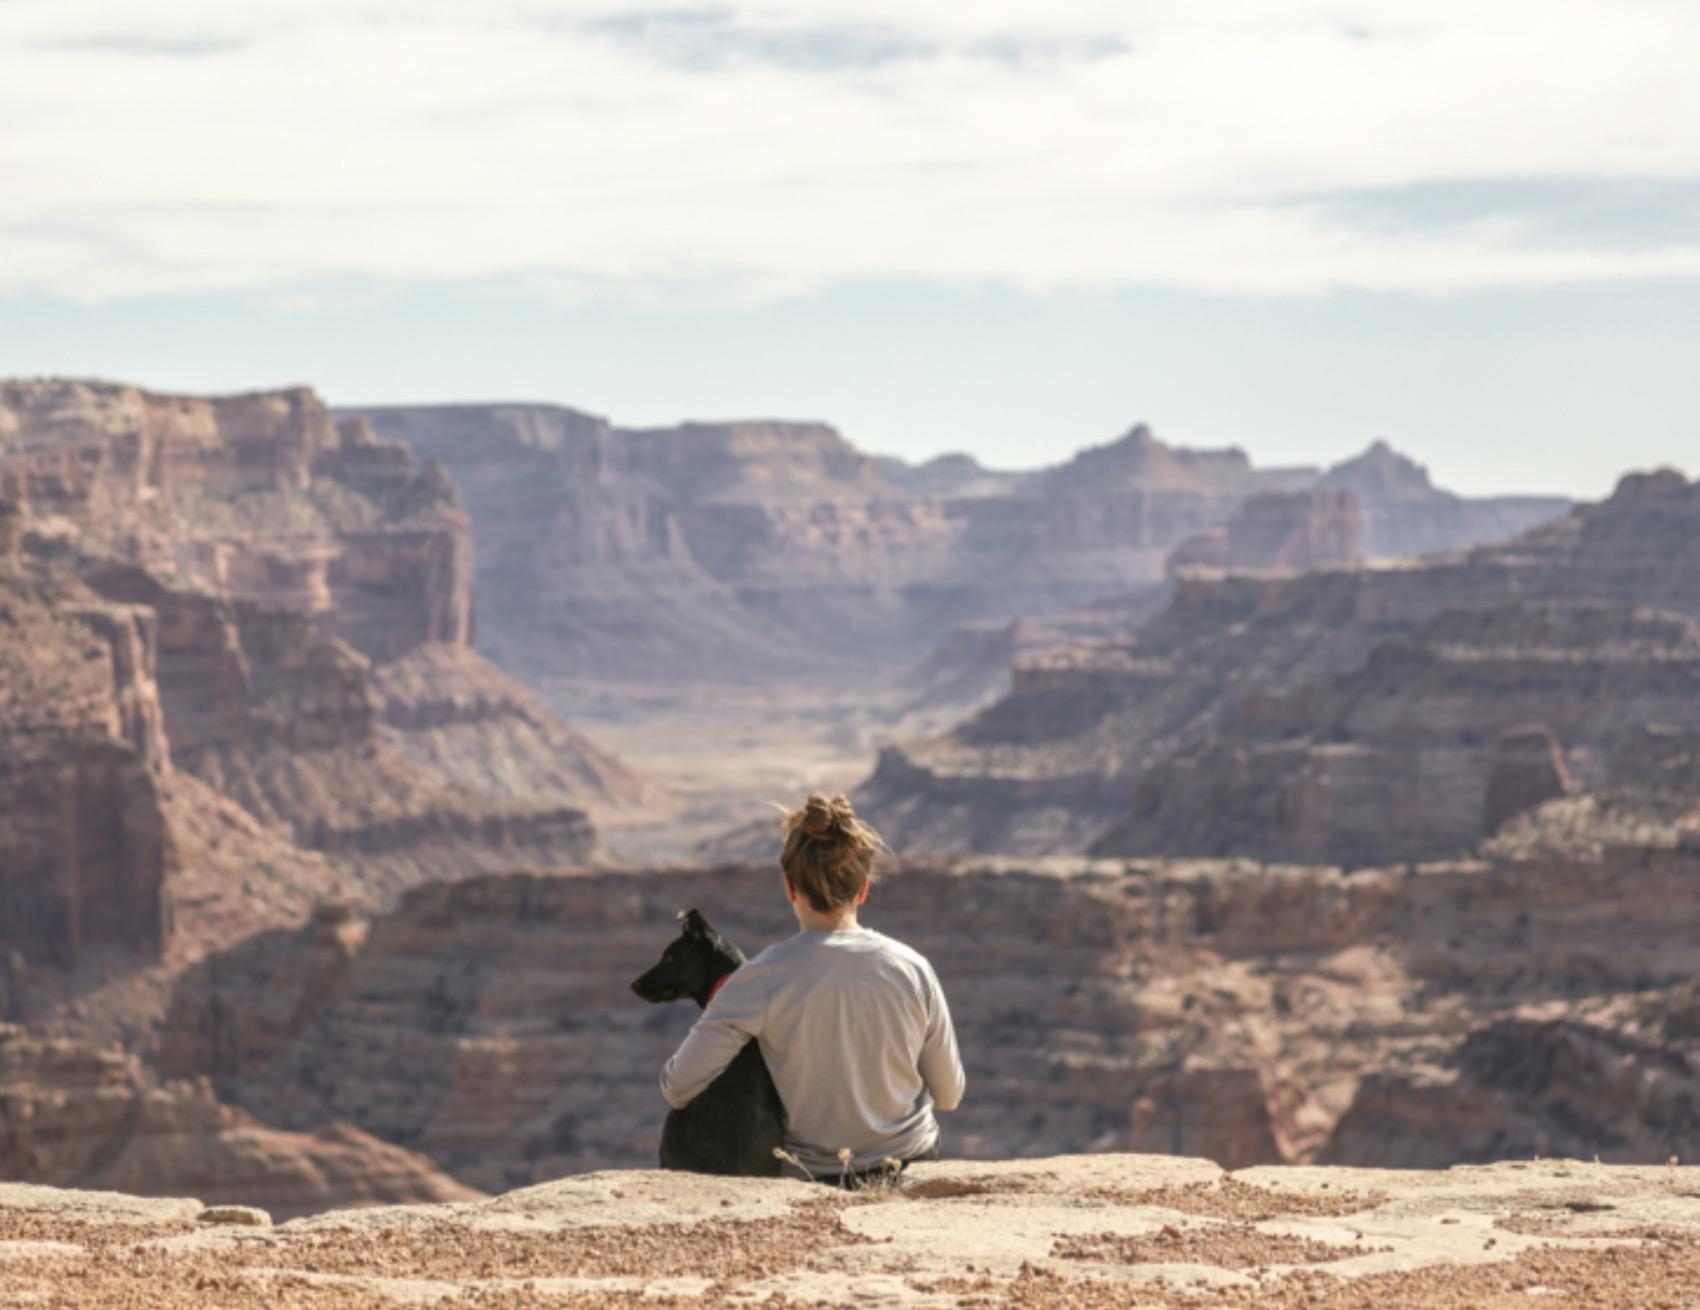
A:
(737, 1123)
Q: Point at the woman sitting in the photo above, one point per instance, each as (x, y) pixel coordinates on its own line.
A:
(853, 1025)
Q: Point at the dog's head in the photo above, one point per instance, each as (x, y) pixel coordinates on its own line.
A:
(691, 965)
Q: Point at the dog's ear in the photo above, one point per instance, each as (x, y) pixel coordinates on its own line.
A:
(695, 924)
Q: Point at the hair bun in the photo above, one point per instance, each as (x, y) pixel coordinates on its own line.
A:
(829, 853)
(825, 816)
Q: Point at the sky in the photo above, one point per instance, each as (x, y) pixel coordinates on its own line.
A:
(1013, 227)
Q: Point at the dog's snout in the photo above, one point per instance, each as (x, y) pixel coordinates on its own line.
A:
(649, 988)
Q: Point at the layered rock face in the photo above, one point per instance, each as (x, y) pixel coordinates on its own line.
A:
(631, 552)
(261, 497)
(279, 555)
(739, 550)
(451, 711)
(287, 724)
(1423, 751)
(82, 837)
(199, 597)
(1571, 1082)
(1280, 530)
(1348, 713)
(1233, 1011)
(72, 1115)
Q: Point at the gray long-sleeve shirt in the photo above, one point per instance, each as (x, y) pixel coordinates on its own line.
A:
(855, 1030)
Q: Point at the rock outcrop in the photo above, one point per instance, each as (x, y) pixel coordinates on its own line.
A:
(1426, 747)
(72, 1115)
(263, 559)
(1528, 770)
(1350, 713)
(1403, 513)
(451, 711)
(706, 549)
(198, 601)
(110, 696)
(1090, 1232)
(261, 497)
(1293, 530)
(82, 836)
(1568, 1084)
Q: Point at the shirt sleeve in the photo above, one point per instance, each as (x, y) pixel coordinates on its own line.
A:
(733, 1017)
(940, 1064)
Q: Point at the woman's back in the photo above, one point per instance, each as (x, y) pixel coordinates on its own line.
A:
(857, 1035)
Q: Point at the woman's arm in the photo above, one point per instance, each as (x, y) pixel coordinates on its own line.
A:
(940, 1064)
(733, 1017)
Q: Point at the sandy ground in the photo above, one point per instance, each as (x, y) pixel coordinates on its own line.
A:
(725, 756)
(1081, 1233)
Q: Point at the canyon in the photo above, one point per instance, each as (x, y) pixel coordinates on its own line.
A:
(736, 551)
(758, 608)
(1355, 713)
(1256, 844)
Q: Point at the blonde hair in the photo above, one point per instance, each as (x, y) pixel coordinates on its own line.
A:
(829, 852)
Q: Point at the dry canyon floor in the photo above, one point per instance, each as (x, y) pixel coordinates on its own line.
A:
(724, 756)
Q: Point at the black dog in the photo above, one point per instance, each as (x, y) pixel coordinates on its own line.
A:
(736, 1123)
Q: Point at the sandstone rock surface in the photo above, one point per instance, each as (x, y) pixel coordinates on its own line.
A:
(1104, 1231)
(262, 497)
(450, 710)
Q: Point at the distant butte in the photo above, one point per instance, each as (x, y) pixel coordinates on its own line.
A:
(738, 552)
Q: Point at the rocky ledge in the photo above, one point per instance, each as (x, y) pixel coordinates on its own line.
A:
(1080, 1231)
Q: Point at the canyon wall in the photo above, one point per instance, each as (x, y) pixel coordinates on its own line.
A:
(282, 556)
(1435, 743)
(1349, 713)
(1292, 530)
(199, 601)
(72, 1115)
(262, 497)
(1242, 1012)
(740, 550)
(82, 841)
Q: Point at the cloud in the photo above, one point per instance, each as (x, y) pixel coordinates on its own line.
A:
(715, 40)
(1623, 213)
(1288, 147)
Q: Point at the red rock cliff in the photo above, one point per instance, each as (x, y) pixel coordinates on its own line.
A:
(260, 497)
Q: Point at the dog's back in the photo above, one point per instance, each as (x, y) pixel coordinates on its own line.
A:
(737, 1124)
(734, 1127)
